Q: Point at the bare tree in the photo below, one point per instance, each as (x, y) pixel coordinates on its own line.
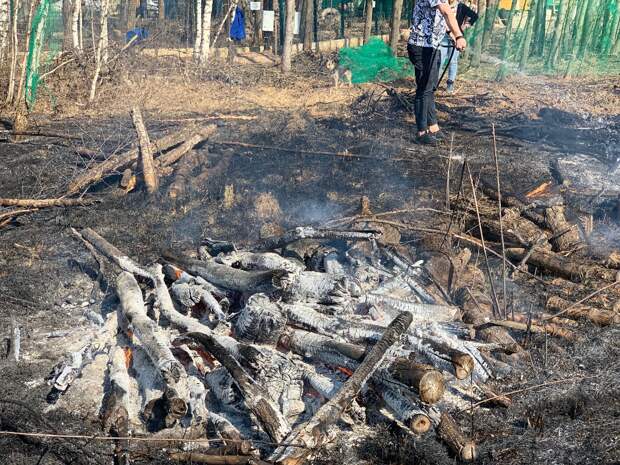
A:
(76, 14)
(206, 32)
(397, 12)
(13, 55)
(198, 35)
(368, 22)
(99, 52)
(5, 23)
(287, 47)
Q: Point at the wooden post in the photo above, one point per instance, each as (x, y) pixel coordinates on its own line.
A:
(287, 47)
(397, 11)
(161, 10)
(146, 154)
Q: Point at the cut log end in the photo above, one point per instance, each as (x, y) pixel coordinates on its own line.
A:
(420, 424)
(469, 452)
(431, 387)
(463, 365)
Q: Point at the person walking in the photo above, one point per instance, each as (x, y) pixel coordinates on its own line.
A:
(429, 21)
(465, 17)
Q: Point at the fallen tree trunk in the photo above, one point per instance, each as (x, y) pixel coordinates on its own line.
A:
(308, 232)
(462, 363)
(45, 203)
(112, 253)
(175, 154)
(256, 399)
(154, 344)
(146, 154)
(312, 433)
(511, 201)
(561, 266)
(548, 328)
(195, 457)
(181, 177)
(450, 433)
(119, 162)
(570, 310)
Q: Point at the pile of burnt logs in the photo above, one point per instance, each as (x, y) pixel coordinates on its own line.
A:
(540, 244)
(140, 166)
(269, 351)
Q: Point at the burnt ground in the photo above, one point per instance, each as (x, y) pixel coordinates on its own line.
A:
(46, 275)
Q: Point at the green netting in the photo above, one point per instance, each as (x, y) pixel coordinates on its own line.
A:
(374, 62)
(44, 44)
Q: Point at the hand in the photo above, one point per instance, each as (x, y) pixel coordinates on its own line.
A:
(461, 44)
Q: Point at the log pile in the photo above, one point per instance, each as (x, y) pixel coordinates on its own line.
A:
(581, 283)
(257, 353)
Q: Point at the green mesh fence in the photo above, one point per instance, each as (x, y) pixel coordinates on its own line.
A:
(44, 45)
(374, 62)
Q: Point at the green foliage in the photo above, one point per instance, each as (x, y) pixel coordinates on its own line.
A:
(374, 62)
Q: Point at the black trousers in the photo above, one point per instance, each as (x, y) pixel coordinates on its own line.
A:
(426, 61)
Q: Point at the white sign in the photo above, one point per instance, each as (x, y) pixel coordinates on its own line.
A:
(255, 6)
(268, 18)
(297, 23)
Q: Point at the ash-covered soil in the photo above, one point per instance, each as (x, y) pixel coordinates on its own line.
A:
(47, 278)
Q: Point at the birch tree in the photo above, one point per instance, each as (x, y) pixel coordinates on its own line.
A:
(287, 47)
(205, 41)
(13, 54)
(5, 25)
(99, 51)
(76, 14)
(198, 35)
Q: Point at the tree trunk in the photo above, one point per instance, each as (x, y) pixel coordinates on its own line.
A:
(205, 41)
(489, 23)
(99, 52)
(103, 31)
(477, 43)
(503, 70)
(308, 14)
(198, 33)
(287, 47)
(451, 434)
(397, 12)
(146, 154)
(540, 27)
(161, 10)
(76, 13)
(527, 37)
(13, 54)
(368, 20)
(557, 34)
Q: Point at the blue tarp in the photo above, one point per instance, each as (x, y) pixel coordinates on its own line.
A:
(237, 28)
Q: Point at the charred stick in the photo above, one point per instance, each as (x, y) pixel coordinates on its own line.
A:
(419, 311)
(542, 238)
(112, 253)
(115, 411)
(195, 457)
(501, 223)
(450, 433)
(595, 315)
(308, 232)
(225, 276)
(155, 345)
(311, 434)
(146, 154)
(548, 328)
(175, 154)
(45, 203)
(255, 397)
(563, 267)
(566, 235)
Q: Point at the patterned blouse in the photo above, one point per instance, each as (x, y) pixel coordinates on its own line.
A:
(428, 26)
